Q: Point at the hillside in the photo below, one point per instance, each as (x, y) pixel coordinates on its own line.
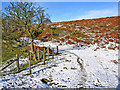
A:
(89, 31)
(101, 31)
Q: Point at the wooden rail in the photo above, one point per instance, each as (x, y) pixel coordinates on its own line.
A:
(9, 64)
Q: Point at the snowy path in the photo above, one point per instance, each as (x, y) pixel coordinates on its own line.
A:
(101, 72)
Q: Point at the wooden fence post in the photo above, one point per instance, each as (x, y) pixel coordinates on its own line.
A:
(53, 53)
(35, 56)
(57, 50)
(17, 56)
(38, 54)
(29, 63)
(44, 57)
(48, 50)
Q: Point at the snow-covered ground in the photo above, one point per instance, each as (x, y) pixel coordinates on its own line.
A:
(75, 67)
(101, 71)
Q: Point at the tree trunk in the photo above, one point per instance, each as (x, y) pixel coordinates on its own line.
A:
(17, 55)
(23, 41)
(32, 47)
(33, 51)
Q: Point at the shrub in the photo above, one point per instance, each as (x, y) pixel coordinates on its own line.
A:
(67, 37)
(111, 40)
(62, 39)
(112, 48)
(114, 61)
(103, 47)
(87, 42)
(58, 41)
(70, 31)
(116, 41)
(69, 42)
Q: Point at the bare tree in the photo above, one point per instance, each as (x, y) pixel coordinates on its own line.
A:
(24, 18)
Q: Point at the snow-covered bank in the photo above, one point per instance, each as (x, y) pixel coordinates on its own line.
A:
(95, 69)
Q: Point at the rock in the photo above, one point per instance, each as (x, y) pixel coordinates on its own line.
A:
(44, 80)
(64, 67)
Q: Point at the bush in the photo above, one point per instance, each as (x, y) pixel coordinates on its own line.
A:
(62, 39)
(67, 37)
(69, 42)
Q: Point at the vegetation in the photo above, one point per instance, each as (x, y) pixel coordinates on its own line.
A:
(21, 19)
